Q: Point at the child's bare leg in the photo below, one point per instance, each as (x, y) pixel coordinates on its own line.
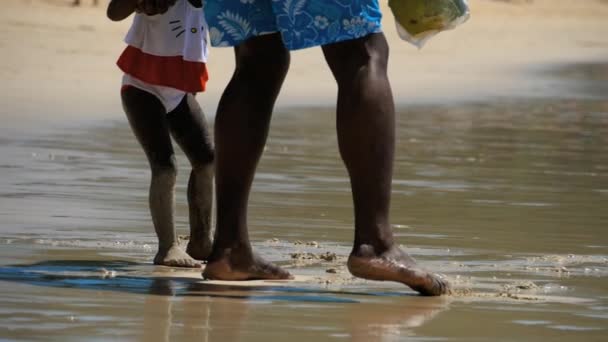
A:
(149, 124)
(189, 129)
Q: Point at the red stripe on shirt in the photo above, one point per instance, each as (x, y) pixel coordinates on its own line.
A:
(172, 71)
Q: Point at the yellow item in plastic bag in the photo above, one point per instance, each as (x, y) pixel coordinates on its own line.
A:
(418, 20)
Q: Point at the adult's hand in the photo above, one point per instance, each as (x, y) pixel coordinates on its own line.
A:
(153, 7)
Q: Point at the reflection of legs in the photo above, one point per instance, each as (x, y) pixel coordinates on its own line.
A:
(395, 317)
(241, 128)
(147, 118)
(157, 311)
(365, 120)
(189, 129)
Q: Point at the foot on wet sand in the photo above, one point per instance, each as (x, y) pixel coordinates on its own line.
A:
(396, 265)
(175, 257)
(199, 250)
(242, 265)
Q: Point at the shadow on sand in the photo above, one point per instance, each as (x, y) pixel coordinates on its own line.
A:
(136, 278)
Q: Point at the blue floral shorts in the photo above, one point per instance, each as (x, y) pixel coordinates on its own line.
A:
(302, 23)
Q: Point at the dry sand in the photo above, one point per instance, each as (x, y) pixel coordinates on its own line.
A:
(58, 61)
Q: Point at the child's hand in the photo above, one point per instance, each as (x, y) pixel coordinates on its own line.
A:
(139, 6)
(121, 9)
(153, 7)
(196, 3)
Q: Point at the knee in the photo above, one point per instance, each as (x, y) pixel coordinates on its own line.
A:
(206, 170)
(359, 57)
(263, 58)
(165, 169)
(205, 160)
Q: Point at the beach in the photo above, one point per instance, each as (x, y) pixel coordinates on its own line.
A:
(501, 184)
(65, 58)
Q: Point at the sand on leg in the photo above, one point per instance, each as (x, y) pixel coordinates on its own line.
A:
(147, 118)
(366, 137)
(189, 129)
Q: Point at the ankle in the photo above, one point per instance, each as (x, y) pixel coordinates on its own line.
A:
(372, 248)
(238, 244)
(199, 238)
(167, 246)
(232, 251)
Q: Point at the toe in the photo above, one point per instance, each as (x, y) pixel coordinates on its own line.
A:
(277, 272)
(282, 274)
(436, 286)
(191, 263)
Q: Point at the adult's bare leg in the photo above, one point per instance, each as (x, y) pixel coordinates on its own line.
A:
(366, 137)
(189, 129)
(241, 128)
(147, 119)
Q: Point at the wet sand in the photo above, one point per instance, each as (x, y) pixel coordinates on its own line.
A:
(505, 198)
(504, 192)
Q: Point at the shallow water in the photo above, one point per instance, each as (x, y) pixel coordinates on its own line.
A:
(508, 198)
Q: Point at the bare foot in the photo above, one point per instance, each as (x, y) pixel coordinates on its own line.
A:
(395, 265)
(175, 257)
(243, 264)
(199, 250)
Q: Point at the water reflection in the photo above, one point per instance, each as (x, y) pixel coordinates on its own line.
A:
(183, 308)
(381, 322)
(169, 318)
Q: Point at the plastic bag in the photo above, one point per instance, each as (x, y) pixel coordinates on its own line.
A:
(419, 20)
